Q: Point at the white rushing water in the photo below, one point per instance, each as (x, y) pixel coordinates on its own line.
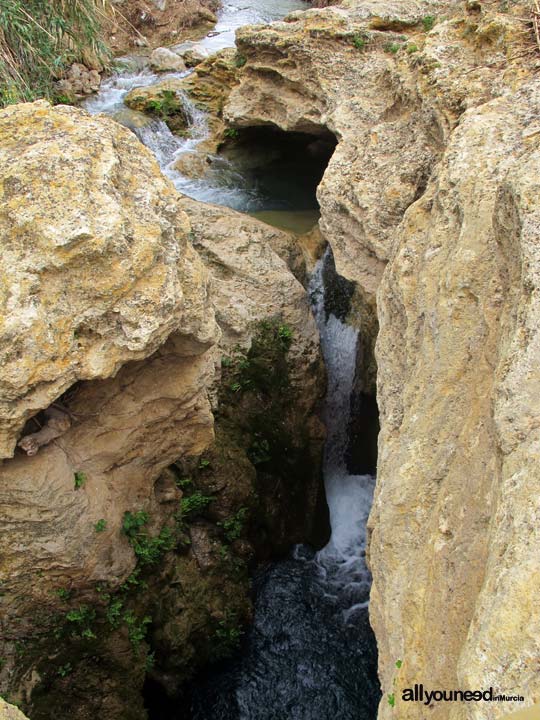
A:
(342, 562)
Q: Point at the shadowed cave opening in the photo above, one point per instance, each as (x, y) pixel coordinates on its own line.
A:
(279, 170)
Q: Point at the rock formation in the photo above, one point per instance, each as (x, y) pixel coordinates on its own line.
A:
(430, 202)
(112, 464)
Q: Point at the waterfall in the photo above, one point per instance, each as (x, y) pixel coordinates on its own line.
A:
(341, 563)
(310, 652)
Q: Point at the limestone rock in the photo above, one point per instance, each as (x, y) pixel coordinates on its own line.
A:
(251, 281)
(107, 299)
(90, 284)
(390, 99)
(455, 523)
(9, 712)
(165, 60)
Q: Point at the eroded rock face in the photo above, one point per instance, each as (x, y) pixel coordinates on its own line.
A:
(389, 91)
(92, 280)
(9, 712)
(103, 296)
(434, 173)
(455, 530)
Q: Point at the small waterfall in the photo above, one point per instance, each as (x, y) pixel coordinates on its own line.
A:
(342, 562)
(310, 652)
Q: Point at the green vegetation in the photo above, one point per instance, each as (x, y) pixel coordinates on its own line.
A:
(412, 48)
(226, 637)
(148, 549)
(82, 619)
(40, 40)
(165, 106)
(65, 670)
(233, 526)
(232, 133)
(428, 21)
(100, 526)
(194, 504)
(240, 60)
(360, 41)
(80, 479)
(63, 594)
(136, 628)
(393, 48)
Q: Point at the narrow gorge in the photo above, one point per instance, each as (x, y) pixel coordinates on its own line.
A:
(269, 423)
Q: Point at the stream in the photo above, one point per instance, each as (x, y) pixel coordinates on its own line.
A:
(310, 653)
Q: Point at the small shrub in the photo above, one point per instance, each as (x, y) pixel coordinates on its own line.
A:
(184, 483)
(114, 612)
(63, 594)
(232, 133)
(195, 503)
(392, 48)
(82, 618)
(412, 48)
(65, 670)
(359, 41)
(233, 526)
(136, 628)
(240, 60)
(147, 549)
(100, 526)
(165, 105)
(227, 637)
(428, 21)
(79, 480)
(203, 463)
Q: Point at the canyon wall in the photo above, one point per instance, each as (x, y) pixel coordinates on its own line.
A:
(430, 203)
(149, 456)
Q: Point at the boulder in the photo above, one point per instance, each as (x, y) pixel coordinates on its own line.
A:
(165, 60)
(94, 283)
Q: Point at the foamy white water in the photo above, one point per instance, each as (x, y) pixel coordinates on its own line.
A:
(342, 562)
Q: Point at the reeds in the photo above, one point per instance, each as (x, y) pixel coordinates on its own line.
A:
(39, 39)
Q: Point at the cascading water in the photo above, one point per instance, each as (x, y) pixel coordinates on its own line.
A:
(310, 653)
(222, 185)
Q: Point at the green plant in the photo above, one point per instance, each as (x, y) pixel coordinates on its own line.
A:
(114, 612)
(63, 594)
(150, 661)
(100, 526)
(226, 637)
(184, 483)
(65, 670)
(412, 48)
(232, 133)
(136, 628)
(203, 463)
(259, 451)
(392, 48)
(82, 619)
(40, 40)
(80, 479)
(391, 699)
(359, 41)
(165, 105)
(233, 526)
(195, 503)
(285, 335)
(240, 60)
(428, 21)
(147, 549)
